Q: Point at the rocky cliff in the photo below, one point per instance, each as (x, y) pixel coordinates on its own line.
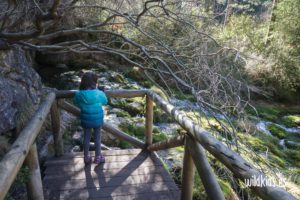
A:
(20, 89)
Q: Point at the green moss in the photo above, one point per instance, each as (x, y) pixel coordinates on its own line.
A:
(292, 145)
(226, 188)
(291, 120)
(147, 84)
(133, 130)
(266, 112)
(277, 131)
(22, 176)
(124, 145)
(276, 161)
(257, 144)
(198, 191)
(123, 114)
(157, 137)
(159, 91)
(180, 149)
(159, 116)
(293, 156)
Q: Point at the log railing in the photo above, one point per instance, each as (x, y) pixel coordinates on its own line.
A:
(195, 141)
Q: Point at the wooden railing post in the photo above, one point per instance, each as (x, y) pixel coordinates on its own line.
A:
(188, 173)
(57, 134)
(149, 121)
(204, 169)
(34, 185)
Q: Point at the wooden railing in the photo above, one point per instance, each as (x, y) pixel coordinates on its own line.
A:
(196, 140)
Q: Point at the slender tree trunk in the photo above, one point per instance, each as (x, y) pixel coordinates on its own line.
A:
(228, 12)
(271, 25)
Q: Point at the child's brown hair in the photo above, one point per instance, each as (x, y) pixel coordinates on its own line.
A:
(88, 81)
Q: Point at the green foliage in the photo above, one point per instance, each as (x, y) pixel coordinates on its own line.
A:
(243, 31)
(284, 45)
(277, 131)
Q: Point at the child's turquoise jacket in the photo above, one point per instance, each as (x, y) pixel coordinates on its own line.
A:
(90, 103)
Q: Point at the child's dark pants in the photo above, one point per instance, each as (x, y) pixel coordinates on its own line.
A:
(87, 138)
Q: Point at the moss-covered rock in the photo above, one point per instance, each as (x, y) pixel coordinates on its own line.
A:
(292, 145)
(118, 78)
(157, 137)
(277, 131)
(291, 120)
(266, 112)
(135, 73)
(133, 107)
(133, 130)
(160, 116)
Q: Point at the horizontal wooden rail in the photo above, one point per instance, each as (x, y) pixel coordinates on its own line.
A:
(166, 144)
(106, 126)
(13, 160)
(109, 93)
(233, 161)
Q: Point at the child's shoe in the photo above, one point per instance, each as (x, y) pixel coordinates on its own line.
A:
(99, 159)
(87, 160)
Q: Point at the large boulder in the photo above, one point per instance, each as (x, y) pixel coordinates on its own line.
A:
(20, 89)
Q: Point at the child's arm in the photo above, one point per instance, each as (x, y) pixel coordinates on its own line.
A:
(104, 99)
(75, 99)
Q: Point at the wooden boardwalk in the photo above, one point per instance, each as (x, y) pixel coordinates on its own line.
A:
(127, 174)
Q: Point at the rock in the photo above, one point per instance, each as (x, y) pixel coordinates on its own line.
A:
(135, 108)
(136, 74)
(76, 149)
(62, 66)
(78, 137)
(118, 78)
(20, 89)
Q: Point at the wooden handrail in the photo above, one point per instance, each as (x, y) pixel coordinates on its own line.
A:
(109, 93)
(14, 158)
(233, 161)
(106, 126)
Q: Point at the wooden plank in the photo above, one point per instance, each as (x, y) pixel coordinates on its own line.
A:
(117, 152)
(89, 182)
(170, 195)
(133, 164)
(108, 159)
(106, 173)
(161, 195)
(97, 192)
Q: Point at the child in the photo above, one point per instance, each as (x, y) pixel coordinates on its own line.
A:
(90, 101)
